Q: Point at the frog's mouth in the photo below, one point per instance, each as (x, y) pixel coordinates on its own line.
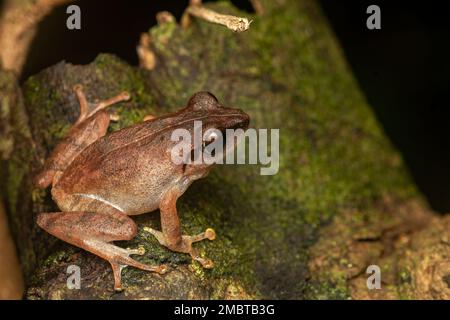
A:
(230, 144)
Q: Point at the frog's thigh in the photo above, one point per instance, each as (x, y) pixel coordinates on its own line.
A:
(88, 217)
(73, 227)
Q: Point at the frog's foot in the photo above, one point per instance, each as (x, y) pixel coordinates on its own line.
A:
(185, 245)
(121, 259)
(94, 232)
(139, 251)
(84, 105)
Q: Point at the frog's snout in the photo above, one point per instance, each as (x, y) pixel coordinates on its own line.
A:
(238, 120)
(163, 269)
(245, 121)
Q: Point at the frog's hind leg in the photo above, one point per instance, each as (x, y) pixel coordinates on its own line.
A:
(93, 232)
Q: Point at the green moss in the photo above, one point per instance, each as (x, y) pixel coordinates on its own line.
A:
(405, 286)
(329, 290)
(56, 257)
(162, 34)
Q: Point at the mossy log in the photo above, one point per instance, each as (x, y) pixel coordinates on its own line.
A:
(341, 201)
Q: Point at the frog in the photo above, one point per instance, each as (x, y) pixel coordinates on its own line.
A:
(99, 180)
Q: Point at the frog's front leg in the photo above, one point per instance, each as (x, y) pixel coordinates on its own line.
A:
(90, 126)
(171, 236)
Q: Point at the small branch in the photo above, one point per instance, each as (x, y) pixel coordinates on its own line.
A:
(18, 25)
(236, 24)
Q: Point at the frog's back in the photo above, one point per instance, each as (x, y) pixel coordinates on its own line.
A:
(127, 167)
(141, 131)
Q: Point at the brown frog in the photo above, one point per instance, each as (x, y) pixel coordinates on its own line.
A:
(99, 180)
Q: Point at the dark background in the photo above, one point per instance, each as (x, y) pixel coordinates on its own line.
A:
(404, 71)
(403, 68)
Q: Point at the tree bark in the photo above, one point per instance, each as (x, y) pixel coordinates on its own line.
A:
(341, 201)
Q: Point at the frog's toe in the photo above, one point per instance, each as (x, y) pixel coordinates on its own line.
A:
(209, 234)
(185, 245)
(163, 269)
(205, 262)
(157, 234)
(139, 251)
(114, 117)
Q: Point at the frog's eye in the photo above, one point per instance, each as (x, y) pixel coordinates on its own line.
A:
(203, 100)
(211, 136)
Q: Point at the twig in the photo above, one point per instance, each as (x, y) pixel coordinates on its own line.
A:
(236, 24)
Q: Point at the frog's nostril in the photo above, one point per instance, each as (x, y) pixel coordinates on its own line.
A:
(125, 95)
